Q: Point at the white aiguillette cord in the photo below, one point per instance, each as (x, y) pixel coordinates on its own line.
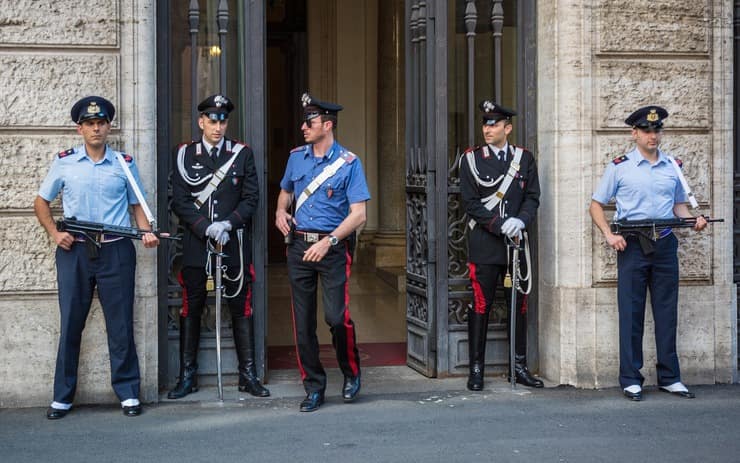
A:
(137, 191)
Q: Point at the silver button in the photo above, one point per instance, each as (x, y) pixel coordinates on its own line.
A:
(215, 216)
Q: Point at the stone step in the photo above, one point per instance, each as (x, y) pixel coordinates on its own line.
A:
(394, 276)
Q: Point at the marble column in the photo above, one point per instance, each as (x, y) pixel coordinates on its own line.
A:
(390, 240)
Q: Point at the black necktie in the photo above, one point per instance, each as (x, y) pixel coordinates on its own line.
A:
(214, 153)
(502, 155)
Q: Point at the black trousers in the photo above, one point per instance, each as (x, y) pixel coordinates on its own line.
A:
(112, 272)
(484, 279)
(334, 271)
(637, 273)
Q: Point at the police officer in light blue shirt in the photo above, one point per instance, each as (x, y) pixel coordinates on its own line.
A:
(328, 184)
(645, 185)
(94, 188)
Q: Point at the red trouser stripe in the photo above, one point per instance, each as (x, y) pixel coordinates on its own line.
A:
(185, 308)
(347, 325)
(524, 304)
(248, 299)
(478, 298)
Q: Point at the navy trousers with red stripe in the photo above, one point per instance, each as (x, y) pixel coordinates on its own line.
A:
(334, 271)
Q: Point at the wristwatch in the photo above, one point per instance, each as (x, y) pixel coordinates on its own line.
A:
(333, 240)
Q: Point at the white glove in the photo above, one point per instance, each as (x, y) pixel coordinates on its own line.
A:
(216, 229)
(223, 238)
(512, 228)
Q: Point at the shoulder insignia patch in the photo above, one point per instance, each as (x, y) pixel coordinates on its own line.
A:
(127, 158)
(620, 159)
(679, 162)
(64, 154)
(348, 156)
(299, 148)
(235, 141)
(470, 149)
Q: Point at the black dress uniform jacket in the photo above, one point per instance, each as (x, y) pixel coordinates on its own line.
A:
(234, 200)
(486, 243)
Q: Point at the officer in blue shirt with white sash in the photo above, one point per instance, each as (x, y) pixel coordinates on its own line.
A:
(645, 185)
(94, 188)
(328, 184)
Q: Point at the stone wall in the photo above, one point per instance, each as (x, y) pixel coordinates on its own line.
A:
(53, 53)
(598, 60)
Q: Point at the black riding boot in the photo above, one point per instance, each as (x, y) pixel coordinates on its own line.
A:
(189, 338)
(244, 343)
(477, 329)
(523, 376)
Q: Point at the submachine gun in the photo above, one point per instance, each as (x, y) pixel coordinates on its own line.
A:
(94, 232)
(650, 230)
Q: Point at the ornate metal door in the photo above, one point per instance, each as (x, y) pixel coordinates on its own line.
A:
(455, 57)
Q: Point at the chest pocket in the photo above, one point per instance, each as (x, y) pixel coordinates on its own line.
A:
(112, 184)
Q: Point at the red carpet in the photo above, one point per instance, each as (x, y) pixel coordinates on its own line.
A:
(376, 354)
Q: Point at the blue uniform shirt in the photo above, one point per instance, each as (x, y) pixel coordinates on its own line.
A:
(328, 206)
(642, 191)
(92, 191)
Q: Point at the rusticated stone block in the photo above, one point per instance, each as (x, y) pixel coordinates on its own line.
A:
(682, 27)
(683, 87)
(693, 150)
(25, 162)
(27, 256)
(39, 90)
(59, 22)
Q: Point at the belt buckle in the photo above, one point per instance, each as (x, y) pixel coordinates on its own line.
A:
(312, 237)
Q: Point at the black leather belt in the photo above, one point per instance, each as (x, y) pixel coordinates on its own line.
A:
(310, 237)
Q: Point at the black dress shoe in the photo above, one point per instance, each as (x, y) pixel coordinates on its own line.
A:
(132, 410)
(56, 413)
(683, 394)
(312, 402)
(351, 388)
(634, 396)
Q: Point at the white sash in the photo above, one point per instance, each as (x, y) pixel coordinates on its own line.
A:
(491, 201)
(218, 176)
(137, 191)
(684, 183)
(328, 171)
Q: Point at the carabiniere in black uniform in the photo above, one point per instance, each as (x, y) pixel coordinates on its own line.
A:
(488, 258)
(234, 200)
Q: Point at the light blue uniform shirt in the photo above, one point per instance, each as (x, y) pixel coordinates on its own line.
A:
(92, 191)
(328, 206)
(642, 191)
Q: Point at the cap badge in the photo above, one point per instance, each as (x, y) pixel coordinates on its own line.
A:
(219, 100)
(305, 99)
(93, 108)
(652, 116)
(488, 107)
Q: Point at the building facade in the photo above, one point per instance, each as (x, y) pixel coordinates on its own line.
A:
(409, 74)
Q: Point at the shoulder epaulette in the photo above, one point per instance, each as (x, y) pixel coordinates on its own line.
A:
(127, 158)
(471, 149)
(620, 159)
(679, 162)
(64, 154)
(348, 156)
(520, 147)
(235, 141)
(299, 148)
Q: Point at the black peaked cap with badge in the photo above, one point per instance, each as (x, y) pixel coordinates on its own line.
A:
(493, 112)
(92, 107)
(216, 107)
(314, 108)
(647, 117)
